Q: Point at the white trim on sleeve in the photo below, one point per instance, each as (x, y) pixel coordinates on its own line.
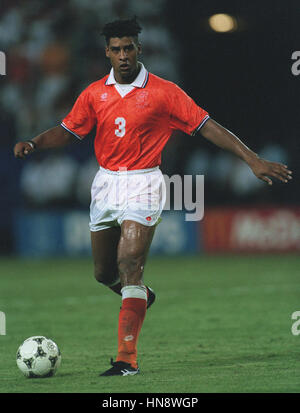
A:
(69, 130)
(200, 126)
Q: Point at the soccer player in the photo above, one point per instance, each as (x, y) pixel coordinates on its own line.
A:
(135, 113)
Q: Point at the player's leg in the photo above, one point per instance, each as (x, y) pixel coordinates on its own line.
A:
(105, 250)
(147, 198)
(133, 248)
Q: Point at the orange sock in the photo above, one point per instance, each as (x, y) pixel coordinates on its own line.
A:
(131, 317)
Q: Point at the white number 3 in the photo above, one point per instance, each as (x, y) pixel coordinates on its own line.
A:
(121, 122)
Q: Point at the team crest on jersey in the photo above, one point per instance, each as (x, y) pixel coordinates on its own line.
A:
(142, 99)
(103, 97)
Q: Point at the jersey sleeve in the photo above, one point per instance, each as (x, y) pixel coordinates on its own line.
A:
(185, 114)
(81, 119)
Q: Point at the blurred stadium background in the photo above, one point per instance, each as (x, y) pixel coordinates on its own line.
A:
(242, 77)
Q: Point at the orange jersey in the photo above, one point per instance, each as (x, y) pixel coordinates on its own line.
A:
(131, 131)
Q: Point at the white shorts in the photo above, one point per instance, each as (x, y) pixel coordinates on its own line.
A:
(138, 195)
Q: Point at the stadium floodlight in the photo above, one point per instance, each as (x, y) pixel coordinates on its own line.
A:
(222, 23)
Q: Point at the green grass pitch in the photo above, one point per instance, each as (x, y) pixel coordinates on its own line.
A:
(220, 324)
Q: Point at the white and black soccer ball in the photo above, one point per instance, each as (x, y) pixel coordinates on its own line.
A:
(38, 356)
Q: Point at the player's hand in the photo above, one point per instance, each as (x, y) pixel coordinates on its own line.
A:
(265, 170)
(22, 149)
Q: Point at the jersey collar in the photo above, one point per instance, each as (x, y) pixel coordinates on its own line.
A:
(140, 81)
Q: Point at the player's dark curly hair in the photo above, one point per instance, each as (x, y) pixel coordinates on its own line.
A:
(121, 28)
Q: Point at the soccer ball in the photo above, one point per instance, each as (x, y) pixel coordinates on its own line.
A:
(38, 356)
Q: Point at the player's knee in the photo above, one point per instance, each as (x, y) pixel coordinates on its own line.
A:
(105, 277)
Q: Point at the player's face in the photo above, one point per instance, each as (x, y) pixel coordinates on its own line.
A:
(123, 53)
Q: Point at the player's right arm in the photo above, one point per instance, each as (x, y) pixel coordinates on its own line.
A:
(56, 137)
(77, 124)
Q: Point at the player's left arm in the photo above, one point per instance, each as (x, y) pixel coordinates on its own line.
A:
(262, 169)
